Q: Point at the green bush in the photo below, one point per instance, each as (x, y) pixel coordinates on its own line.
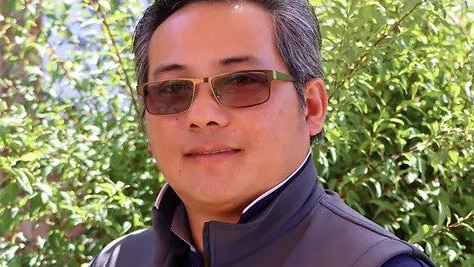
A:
(75, 172)
(400, 130)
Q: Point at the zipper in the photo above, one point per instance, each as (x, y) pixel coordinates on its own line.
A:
(206, 247)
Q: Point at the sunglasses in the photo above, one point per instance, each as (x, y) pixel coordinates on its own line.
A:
(236, 90)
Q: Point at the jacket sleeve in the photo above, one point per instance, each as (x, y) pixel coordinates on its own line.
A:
(134, 249)
(109, 255)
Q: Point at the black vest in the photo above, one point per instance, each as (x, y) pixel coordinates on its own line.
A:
(303, 226)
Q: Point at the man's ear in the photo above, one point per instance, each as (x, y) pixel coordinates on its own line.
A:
(316, 99)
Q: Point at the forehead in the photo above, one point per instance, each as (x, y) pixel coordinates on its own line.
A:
(206, 33)
(228, 10)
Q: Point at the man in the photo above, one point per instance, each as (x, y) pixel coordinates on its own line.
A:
(235, 145)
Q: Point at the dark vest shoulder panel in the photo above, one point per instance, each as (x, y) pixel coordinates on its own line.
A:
(134, 249)
(350, 239)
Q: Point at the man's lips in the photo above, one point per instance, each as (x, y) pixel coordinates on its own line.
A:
(196, 152)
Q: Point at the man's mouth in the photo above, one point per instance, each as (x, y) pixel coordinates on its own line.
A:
(211, 152)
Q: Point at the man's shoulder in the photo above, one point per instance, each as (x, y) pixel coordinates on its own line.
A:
(128, 250)
(338, 213)
(369, 243)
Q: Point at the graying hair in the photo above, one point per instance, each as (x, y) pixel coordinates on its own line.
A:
(297, 36)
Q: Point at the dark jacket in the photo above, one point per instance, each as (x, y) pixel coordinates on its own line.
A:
(303, 226)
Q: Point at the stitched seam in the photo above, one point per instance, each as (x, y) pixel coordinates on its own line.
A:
(326, 204)
(361, 223)
(368, 250)
(355, 220)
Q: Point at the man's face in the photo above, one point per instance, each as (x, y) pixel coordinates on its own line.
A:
(219, 158)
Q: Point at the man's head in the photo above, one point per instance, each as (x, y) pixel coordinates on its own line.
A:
(297, 36)
(215, 156)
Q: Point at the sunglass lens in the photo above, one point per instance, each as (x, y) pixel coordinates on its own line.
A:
(169, 97)
(242, 89)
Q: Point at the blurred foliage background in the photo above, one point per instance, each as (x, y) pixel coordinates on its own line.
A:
(75, 172)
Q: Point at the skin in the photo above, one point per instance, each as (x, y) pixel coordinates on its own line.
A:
(220, 159)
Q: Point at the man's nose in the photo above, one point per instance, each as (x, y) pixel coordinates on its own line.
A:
(205, 111)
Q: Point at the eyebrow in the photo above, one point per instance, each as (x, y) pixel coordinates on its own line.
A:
(223, 63)
(167, 68)
(238, 59)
